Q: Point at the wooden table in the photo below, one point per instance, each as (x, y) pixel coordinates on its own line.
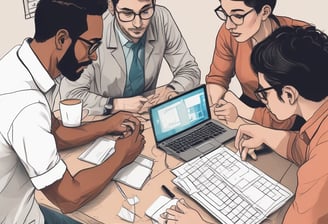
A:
(106, 206)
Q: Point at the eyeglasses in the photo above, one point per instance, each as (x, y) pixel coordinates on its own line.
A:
(235, 18)
(128, 16)
(93, 46)
(261, 93)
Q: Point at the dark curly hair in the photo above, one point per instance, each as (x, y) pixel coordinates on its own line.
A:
(53, 15)
(295, 56)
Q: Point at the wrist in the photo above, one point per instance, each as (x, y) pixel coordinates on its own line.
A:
(267, 132)
(109, 106)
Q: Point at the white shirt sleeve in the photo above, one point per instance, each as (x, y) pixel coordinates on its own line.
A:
(31, 138)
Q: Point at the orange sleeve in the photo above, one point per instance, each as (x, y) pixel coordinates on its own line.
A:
(287, 21)
(221, 70)
(299, 23)
(265, 118)
(311, 197)
(296, 146)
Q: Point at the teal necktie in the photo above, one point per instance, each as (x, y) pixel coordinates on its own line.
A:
(135, 82)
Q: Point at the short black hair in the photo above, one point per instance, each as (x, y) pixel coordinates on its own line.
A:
(296, 56)
(53, 15)
(257, 5)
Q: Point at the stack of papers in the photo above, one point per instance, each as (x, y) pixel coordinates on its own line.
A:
(134, 174)
(101, 149)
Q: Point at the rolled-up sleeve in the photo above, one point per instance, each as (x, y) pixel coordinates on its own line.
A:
(31, 138)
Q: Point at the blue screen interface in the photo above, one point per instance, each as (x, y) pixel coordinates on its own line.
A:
(179, 114)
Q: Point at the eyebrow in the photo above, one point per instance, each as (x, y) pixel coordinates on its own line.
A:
(95, 39)
(233, 10)
(238, 10)
(143, 8)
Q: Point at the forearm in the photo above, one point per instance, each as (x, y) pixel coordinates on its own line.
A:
(215, 93)
(72, 192)
(243, 110)
(71, 137)
(277, 140)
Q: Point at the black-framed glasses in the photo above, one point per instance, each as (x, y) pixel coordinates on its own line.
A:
(237, 19)
(129, 15)
(261, 93)
(93, 46)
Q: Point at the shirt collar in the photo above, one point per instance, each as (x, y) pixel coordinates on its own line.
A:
(123, 39)
(39, 74)
(309, 129)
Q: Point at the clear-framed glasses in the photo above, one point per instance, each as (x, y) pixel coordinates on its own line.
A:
(261, 93)
(129, 15)
(93, 45)
(237, 19)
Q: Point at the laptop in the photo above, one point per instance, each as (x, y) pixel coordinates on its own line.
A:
(183, 127)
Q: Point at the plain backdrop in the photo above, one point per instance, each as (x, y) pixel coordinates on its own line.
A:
(196, 20)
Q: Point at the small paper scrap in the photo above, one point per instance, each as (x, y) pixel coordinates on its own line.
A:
(133, 201)
(126, 215)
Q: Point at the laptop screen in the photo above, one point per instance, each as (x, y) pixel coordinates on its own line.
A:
(180, 113)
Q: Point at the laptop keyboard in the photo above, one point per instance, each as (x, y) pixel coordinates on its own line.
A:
(207, 131)
(232, 190)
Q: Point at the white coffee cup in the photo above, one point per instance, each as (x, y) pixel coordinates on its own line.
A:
(71, 112)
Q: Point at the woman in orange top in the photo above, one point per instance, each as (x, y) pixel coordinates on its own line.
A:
(247, 22)
(293, 82)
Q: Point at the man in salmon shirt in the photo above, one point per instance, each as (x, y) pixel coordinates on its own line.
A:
(293, 82)
(246, 23)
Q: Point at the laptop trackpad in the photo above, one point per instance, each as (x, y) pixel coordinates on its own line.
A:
(205, 147)
(189, 154)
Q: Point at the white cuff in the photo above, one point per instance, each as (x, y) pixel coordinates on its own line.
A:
(48, 178)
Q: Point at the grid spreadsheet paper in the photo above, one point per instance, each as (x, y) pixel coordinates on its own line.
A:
(233, 191)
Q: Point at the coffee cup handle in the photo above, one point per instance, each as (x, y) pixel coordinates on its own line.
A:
(85, 113)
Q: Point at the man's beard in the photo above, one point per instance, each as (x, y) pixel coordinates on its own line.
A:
(69, 65)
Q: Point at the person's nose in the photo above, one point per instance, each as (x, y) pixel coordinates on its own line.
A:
(93, 56)
(229, 24)
(137, 22)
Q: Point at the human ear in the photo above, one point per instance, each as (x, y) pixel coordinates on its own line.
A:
(266, 12)
(290, 93)
(61, 36)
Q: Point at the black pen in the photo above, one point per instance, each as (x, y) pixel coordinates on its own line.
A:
(167, 191)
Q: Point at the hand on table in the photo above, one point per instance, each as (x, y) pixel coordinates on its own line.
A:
(250, 138)
(182, 213)
(121, 123)
(131, 104)
(130, 145)
(165, 94)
